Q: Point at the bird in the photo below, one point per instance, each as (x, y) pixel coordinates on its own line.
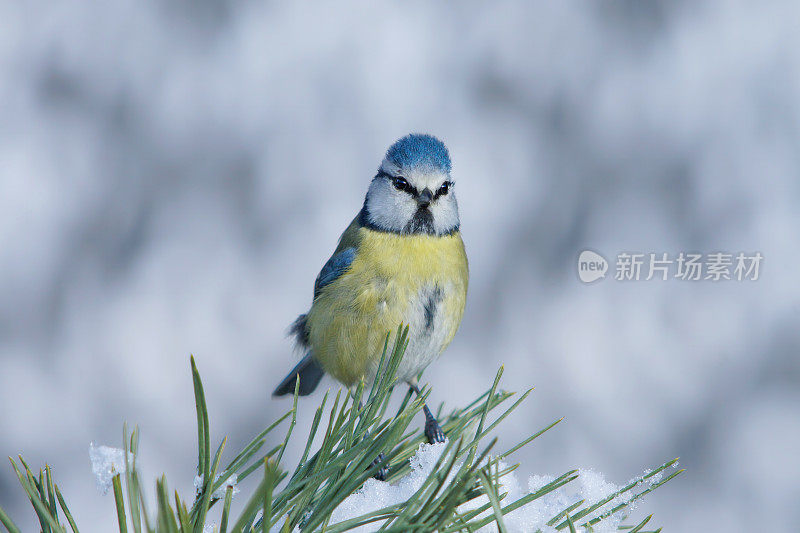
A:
(400, 261)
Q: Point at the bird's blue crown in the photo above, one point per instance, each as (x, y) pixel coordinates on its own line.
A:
(420, 151)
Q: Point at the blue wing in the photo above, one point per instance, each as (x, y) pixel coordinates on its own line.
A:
(335, 267)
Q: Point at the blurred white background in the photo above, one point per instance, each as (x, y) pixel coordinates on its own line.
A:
(174, 173)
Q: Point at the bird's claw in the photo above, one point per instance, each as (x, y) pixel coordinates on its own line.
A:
(433, 431)
(383, 472)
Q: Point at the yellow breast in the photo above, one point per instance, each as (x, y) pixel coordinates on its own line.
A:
(350, 318)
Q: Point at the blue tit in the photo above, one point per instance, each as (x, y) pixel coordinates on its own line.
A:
(401, 260)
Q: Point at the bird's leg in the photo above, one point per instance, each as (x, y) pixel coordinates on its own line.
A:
(433, 431)
(383, 472)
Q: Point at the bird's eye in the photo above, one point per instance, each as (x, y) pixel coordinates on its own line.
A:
(400, 184)
(443, 189)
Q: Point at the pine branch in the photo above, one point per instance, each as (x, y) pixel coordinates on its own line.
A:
(464, 491)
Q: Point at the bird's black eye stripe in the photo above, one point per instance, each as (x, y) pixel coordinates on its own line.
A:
(444, 189)
(400, 184)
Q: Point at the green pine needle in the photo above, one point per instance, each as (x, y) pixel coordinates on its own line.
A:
(356, 430)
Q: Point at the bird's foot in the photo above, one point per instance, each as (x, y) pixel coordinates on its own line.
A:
(383, 472)
(433, 431)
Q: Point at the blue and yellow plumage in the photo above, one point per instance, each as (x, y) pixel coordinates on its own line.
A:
(401, 260)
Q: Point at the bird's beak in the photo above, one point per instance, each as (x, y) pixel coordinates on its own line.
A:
(425, 198)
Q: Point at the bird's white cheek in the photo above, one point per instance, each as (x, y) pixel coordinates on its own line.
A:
(445, 215)
(389, 209)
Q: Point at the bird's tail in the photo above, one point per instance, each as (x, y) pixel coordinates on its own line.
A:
(308, 371)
